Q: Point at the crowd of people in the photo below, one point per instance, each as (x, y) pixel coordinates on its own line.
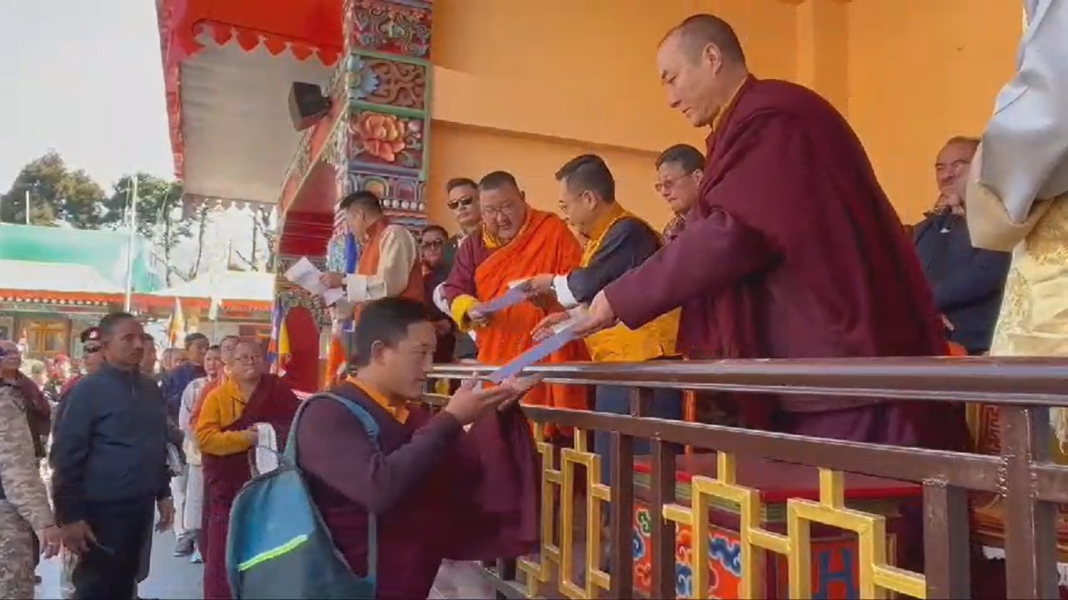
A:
(129, 444)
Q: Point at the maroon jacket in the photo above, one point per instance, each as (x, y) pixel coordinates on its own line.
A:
(435, 494)
(792, 251)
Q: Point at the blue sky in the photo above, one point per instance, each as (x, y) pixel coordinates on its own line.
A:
(83, 78)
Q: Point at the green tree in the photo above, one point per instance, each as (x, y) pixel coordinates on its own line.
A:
(56, 193)
(158, 212)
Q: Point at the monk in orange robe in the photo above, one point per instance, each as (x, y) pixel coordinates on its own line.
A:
(517, 242)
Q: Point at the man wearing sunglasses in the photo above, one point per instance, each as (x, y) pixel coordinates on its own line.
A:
(463, 204)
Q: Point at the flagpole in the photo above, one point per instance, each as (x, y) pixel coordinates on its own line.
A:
(27, 207)
(128, 304)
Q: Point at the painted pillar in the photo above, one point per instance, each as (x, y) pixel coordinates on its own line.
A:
(303, 234)
(383, 79)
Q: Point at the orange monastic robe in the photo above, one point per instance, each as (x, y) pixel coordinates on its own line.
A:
(483, 271)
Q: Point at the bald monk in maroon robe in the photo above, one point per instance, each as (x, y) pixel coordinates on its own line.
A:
(792, 251)
(424, 480)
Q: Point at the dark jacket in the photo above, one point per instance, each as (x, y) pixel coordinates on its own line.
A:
(967, 282)
(175, 382)
(110, 446)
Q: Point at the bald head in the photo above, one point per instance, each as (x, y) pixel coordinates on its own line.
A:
(951, 169)
(701, 67)
(696, 33)
(964, 140)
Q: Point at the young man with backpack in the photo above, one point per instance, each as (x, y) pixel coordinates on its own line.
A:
(396, 486)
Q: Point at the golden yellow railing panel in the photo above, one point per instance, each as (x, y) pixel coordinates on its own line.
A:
(753, 538)
(541, 572)
(597, 493)
(876, 577)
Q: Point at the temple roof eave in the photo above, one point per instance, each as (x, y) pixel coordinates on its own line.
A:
(228, 66)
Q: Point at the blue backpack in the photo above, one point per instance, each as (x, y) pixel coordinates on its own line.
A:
(279, 546)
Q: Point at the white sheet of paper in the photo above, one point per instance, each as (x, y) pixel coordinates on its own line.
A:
(331, 297)
(306, 275)
(536, 353)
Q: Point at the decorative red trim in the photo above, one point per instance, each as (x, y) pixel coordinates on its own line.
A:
(141, 301)
(204, 303)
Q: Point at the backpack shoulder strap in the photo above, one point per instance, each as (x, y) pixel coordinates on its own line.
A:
(369, 424)
(371, 427)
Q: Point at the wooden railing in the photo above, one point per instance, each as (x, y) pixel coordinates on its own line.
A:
(1022, 476)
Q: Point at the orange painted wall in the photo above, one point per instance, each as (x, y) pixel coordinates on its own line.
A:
(524, 85)
(921, 71)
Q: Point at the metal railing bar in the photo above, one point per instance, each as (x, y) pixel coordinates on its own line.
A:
(1051, 482)
(972, 471)
(1022, 381)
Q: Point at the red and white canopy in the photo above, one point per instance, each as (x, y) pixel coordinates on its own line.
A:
(228, 67)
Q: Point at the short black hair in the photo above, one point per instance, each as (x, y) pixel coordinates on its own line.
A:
(385, 320)
(588, 173)
(684, 155)
(697, 31)
(91, 334)
(193, 338)
(437, 228)
(214, 347)
(497, 180)
(111, 320)
(363, 199)
(457, 182)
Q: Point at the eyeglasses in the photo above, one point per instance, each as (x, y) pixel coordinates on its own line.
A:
(90, 349)
(465, 202)
(433, 243)
(665, 185)
(509, 208)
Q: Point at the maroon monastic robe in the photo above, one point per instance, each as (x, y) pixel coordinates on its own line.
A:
(794, 251)
(433, 491)
(274, 403)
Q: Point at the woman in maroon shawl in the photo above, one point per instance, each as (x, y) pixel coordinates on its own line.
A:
(227, 429)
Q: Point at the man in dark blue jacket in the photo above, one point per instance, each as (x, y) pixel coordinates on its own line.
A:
(111, 472)
(967, 282)
(175, 382)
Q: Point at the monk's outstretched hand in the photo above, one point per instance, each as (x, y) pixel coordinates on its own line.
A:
(470, 403)
(520, 385)
(545, 327)
(476, 316)
(599, 316)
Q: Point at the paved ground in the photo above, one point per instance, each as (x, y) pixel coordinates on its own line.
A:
(177, 579)
(170, 578)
